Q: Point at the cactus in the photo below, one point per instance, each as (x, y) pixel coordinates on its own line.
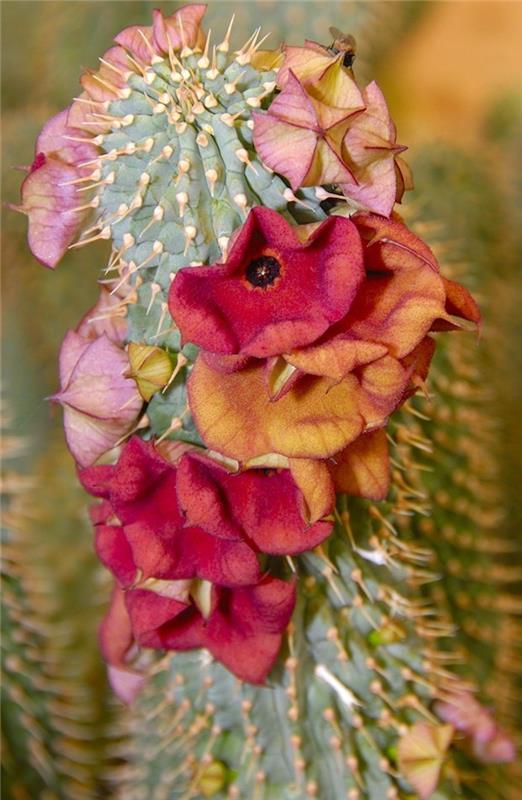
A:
(58, 717)
(170, 153)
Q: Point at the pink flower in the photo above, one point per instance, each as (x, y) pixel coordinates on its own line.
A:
(100, 403)
(180, 29)
(301, 137)
(321, 128)
(49, 193)
(381, 177)
(489, 742)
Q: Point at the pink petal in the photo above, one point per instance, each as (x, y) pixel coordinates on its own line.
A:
(286, 149)
(179, 30)
(49, 203)
(125, 683)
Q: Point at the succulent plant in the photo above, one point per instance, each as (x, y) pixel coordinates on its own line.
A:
(241, 400)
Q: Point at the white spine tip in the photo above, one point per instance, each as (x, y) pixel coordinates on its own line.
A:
(157, 247)
(241, 200)
(128, 240)
(223, 243)
(149, 77)
(182, 198)
(210, 101)
(148, 144)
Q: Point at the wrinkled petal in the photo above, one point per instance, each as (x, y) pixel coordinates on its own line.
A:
(335, 357)
(235, 416)
(88, 438)
(221, 310)
(180, 29)
(363, 468)
(125, 683)
(97, 385)
(246, 629)
(114, 551)
(287, 149)
(138, 40)
(313, 479)
(149, 611)
(115, 634)
(264, 506)
(49, 200)
(460, 305)
(48, 197)
(104, 317)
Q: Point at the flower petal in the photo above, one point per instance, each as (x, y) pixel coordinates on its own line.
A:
(421, 754)
(235, 416)
(246, 629)
(220, 309)
(363, 468)
(180, 29)
(313, 479)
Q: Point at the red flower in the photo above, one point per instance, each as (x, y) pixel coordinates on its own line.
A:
(274, 293)
(242, 628)
(316, 399)
(264, 504)
(195, 519)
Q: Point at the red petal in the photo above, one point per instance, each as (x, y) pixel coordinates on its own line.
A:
(115, 630)
(218, 309)
(112, 548)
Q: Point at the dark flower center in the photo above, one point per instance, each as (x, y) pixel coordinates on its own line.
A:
(263, 271)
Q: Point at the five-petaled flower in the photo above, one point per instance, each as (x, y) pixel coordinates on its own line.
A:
(337, 380)
(322, 130)
(195, 518)
(274, 292)
(242, 627)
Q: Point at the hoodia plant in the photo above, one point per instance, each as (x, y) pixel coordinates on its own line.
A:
(247, 401)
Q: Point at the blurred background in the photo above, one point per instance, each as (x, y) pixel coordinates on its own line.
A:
(451, 72)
